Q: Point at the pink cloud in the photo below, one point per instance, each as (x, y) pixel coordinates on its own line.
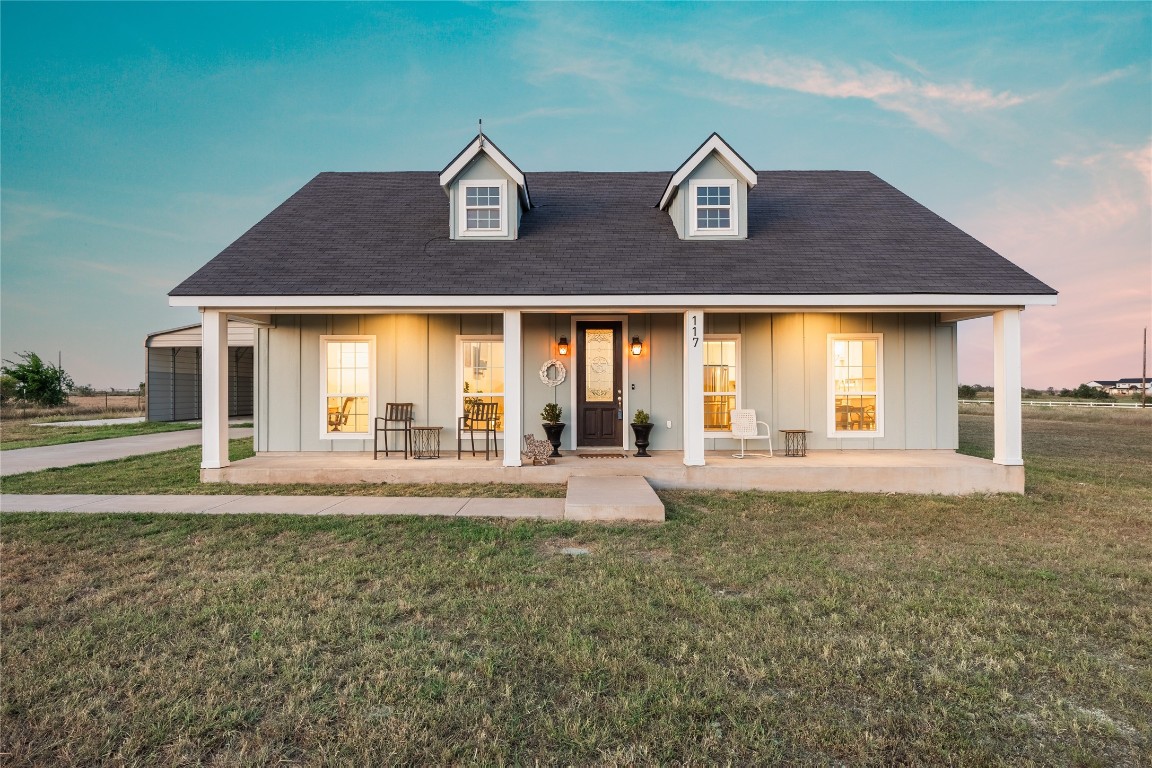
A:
(1095, 247)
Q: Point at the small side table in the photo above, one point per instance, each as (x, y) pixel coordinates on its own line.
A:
(426, 442)
(795, 442)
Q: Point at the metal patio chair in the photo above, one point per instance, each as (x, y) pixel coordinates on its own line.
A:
(480, 417)
(399, 414)
(744, 427)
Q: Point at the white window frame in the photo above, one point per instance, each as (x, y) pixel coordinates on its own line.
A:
(831, 386)
(733, 206)
(460, 341)
(324, 394)
(462, 218)
(736, 373)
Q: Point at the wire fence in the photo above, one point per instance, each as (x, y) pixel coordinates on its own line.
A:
(1060, 403)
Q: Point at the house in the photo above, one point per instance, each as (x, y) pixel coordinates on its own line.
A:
(1126, 386)
(172, 372)
(825, 300)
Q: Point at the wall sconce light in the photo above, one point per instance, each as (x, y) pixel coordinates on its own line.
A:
(637, 347)
(562, 345)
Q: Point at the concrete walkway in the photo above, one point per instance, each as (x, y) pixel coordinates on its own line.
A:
(47, 456)
(549, 509)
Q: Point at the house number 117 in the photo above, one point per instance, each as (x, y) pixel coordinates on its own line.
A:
(695, 333)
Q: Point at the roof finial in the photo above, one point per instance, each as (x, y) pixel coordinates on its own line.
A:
(481, 124)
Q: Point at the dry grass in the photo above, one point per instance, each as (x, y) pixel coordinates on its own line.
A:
(79, 406)
(750, 628)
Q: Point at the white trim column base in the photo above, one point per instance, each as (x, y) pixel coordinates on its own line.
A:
(214, 389)
(694, 388)
(513, 387)
(1007, 427)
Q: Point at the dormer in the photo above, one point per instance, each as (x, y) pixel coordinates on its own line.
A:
(707, 196)
(487, 193)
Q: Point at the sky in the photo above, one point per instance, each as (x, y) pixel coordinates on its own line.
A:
(137, 140)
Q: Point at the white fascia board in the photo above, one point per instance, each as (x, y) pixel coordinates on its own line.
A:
(469, 154)
(717, 145)
(751, 302)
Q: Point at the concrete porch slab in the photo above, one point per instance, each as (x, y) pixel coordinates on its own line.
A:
(619, 497)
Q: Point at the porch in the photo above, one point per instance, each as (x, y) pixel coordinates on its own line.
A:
(869, 471)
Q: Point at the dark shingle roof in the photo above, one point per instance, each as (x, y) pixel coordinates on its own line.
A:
(809, 232)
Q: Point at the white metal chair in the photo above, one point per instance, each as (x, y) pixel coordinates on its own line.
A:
(744, 426)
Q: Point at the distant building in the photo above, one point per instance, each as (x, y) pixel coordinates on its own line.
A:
(173, 372)
(1122, 386)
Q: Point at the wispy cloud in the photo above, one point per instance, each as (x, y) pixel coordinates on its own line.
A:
(920, 99)
(30, 217)
(542, 113)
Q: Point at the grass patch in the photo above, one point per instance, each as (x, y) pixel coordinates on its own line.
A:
(178, 472)
(31, 434)
(751, 628)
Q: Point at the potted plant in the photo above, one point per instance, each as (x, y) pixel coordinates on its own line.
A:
(553, 427)
(641, 428)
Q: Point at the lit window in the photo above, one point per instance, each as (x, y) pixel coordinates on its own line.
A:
(713, 206)
(855, 377)
(347, 397)
(483, 209)
(720, 376)
(481, 374)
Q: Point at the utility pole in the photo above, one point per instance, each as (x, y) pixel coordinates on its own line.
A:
(1144, 374)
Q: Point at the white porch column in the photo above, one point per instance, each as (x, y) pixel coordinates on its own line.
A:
(214, 389)
(1006, 381)
(513, 387)
(694, 388)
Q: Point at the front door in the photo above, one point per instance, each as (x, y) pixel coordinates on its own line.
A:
(599, 384)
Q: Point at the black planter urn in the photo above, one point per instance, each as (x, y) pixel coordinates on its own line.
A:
(641, 431)
(554, 430)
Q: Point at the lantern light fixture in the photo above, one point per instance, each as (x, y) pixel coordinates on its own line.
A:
(562, 345)
(637, 346)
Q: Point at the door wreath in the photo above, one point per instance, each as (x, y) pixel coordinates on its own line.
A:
(553, 373)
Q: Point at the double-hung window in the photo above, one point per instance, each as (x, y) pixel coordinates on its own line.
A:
(347, 394)
(713, 206)
(484, 209)
(721, 372)
(480, 373)
(855, 385)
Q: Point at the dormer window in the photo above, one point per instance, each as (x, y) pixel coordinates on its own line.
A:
(707, 195)
(484, 212)
(714, 206)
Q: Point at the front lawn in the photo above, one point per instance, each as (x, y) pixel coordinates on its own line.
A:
(24, 433)
(750, 628)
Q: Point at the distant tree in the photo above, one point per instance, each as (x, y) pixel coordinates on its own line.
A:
(84, 390)
(38, 382)
(966, 392)
(1085, 392)
(9, 388)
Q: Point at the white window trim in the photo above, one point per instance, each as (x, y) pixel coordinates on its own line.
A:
(459, 396)
(462, 217)
(831, 386)
(739, 380)
(324, 433)
(733, 207)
